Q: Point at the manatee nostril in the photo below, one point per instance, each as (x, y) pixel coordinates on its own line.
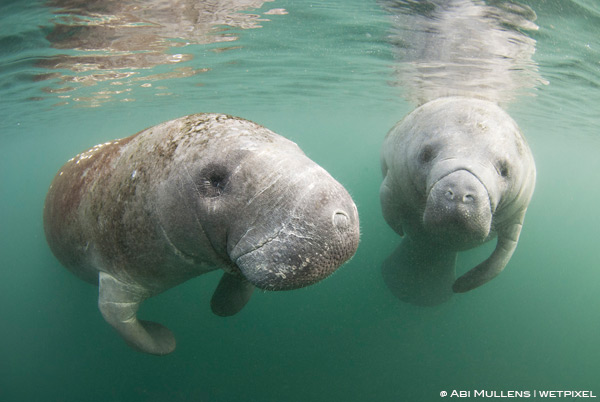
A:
(340, 219)
(468, 198)
(449, 194)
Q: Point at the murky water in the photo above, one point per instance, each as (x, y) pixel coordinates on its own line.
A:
(329, 76)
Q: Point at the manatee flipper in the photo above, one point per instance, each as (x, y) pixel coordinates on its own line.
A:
(390, 207)
(119, 303)
(231, 295)
(420, 273)
(490, 268)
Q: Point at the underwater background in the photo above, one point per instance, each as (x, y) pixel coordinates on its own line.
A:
(323, 74)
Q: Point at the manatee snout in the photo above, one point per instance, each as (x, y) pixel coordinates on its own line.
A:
(458, 209)
(307, 248)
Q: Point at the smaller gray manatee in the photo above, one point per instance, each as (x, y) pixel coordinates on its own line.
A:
(142, 214)
(457, 173)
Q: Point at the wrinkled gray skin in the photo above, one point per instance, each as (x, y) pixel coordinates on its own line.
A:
(457, 173)
(140, 215)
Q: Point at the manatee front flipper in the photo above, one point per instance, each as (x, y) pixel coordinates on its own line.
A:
(490, 268)
(420, 273)
(119, 303)
(231, 295)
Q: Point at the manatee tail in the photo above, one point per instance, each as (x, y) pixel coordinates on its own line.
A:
(420, 273)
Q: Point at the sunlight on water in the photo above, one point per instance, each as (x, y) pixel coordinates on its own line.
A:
(117, 44)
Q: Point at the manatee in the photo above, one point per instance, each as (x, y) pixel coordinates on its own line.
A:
(457, 173)
(140, 215)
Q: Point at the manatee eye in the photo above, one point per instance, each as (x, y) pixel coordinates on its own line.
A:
(427, 154)
(212, 180)
(503, 168)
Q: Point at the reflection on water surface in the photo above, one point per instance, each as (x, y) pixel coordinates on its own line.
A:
(112, 41)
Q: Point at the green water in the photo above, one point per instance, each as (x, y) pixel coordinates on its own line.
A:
(319, 75)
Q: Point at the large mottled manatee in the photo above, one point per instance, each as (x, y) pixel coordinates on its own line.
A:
(457, 173)
(142, 214)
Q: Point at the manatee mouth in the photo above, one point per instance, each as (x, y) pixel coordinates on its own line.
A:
(297, 255)
(458, 210)
(246, 245)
